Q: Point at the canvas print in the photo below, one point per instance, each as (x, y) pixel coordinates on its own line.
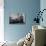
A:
(17, 19)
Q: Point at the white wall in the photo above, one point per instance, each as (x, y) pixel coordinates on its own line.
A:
(1, 21)
(43, 6)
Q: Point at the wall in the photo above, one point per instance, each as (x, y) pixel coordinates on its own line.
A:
(29, 7)
(1, 21)
(43, 6)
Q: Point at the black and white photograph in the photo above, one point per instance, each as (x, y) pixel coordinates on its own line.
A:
(17, 19)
